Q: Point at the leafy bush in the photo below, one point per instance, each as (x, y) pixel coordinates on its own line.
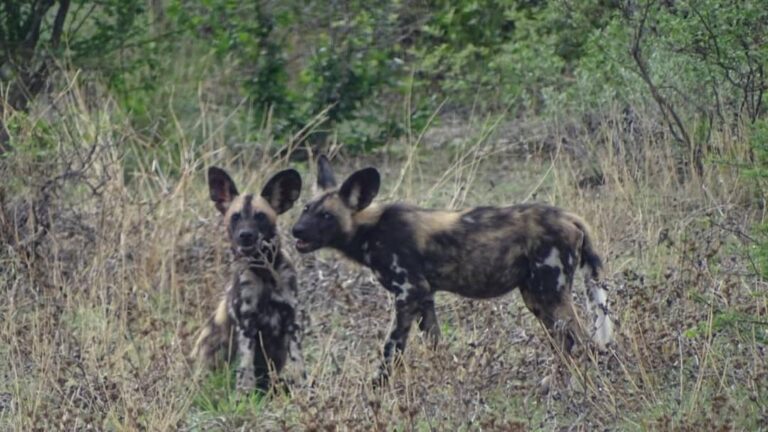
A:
(700, 64)
(295, 61)
(36, 36)
(758, 170)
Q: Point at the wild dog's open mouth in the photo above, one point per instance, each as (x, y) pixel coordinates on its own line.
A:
(246, 250)
(304, 246)
(249, 247)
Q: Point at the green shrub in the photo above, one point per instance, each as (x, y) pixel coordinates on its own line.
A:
(758, 171)
(294, 61)
(37, 36)
(700, 64)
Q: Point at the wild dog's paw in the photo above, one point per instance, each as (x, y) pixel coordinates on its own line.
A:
(381, 377)
(431, 335)
(246, 381)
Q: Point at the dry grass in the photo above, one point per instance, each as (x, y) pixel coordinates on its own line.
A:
(101, 307)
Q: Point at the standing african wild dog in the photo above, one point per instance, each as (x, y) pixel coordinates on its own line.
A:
(481, 252)
(259, 316)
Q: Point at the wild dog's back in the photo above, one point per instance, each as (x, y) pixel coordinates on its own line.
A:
(485, 252)
(488, 251)
(481, 252)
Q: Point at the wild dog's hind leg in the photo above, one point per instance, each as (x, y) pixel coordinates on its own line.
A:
(217, 342)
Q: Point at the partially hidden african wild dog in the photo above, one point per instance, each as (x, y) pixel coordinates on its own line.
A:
(258, 318)
(481, 252)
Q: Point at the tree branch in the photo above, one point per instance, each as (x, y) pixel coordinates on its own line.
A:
(58, 23)
(673, 120)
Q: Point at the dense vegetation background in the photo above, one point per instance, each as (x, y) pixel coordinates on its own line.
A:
(647, 116)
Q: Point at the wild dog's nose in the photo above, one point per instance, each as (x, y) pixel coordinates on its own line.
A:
(246, 237)
(299, 231)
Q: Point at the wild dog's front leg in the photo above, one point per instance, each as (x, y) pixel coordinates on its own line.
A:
(404, 314)
(296, 372)
(410, 289)
(246, 373)
(297, 319)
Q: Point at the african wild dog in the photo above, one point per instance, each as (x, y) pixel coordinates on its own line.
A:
(481, 252)
(259, 317)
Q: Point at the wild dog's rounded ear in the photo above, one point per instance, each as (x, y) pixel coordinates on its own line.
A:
(221, 187)
(360, 188)
(282, 190)
(325, 177)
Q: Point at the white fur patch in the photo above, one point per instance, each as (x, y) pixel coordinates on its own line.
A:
(396, 267)
(603, 330)
(400, 271)
(251, 288)
(561, 280)
(274, 320)
(601, 297)
(553, 260)
(354, 197)
(404, 287)
(598, 303)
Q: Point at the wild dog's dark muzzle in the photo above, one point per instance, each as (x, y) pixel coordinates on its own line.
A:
(246, 238)
(302, 235)
(299, 231)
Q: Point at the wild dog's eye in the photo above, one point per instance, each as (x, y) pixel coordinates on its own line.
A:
(259, 216)
(235, 217)
(306, 208)
(325, 215)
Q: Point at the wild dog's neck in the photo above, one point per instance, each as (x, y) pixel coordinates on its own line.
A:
(366, 224)
(355, 247)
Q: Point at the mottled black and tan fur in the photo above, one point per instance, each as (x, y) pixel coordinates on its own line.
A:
(259, 317)
(481, 252)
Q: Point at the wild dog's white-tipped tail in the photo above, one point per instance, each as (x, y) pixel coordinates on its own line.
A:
(597, 303)
(597, 296)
